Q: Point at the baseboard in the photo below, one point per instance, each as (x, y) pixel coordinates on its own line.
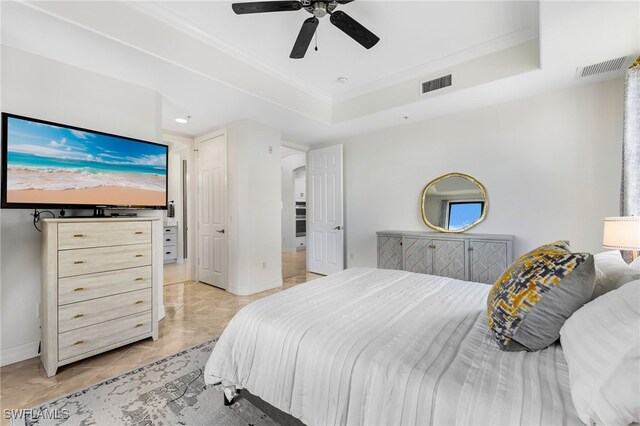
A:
(249, 289)
(18, 353)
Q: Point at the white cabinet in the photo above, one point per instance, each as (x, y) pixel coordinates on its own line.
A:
(99, 286)
(170, 244)
(472, 257)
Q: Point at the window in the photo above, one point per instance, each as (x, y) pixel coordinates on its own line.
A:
(464, 213)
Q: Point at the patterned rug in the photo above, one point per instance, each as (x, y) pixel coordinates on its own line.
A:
(167, 392)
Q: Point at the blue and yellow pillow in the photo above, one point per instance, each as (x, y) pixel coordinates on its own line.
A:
(530, 302)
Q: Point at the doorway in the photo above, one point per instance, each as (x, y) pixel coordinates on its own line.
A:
(177, 268)
(294, 212)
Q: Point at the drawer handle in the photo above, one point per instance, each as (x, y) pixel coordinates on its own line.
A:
(138, 232)
(78, 315)
(139, 325)
(168, 252)
(79, 342)
(139, 279)
(78, 235)
(168, 239)
(138, 302)
(138, 255)
(78, 289)
(77, 262)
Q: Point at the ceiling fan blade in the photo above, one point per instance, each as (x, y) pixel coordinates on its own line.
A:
(353, 29)
(265, 6)
(344, 1)
(304, 38)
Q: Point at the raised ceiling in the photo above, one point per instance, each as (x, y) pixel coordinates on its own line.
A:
(218, 67)
(416, 37)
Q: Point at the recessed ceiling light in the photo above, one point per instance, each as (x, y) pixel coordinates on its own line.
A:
(342, 79)
(406, 117)
(183, 120)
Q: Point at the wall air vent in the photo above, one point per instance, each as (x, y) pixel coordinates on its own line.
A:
(602, 67)
(435, 84)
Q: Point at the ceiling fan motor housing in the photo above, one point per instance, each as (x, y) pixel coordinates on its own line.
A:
(319, 8)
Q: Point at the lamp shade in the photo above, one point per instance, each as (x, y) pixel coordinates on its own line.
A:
(622, 233)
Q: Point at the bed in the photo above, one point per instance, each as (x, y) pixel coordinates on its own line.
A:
(381, 347)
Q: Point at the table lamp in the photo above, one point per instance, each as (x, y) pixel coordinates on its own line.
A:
(622, 233)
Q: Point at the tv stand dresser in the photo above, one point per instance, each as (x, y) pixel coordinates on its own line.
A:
(99, 286)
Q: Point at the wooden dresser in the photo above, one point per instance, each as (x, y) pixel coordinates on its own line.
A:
(99, 286)
(472, 257)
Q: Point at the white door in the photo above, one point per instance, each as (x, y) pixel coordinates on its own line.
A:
(211, 201)
(325, 226)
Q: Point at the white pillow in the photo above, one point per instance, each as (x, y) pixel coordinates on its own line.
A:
(636, 264)
(601, 343)
(612, 272)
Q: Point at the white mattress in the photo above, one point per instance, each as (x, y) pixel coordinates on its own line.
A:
(382, 347)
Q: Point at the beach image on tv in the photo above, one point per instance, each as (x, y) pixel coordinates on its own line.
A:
(48, 164)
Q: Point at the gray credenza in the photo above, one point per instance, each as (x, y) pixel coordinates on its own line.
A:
(471, 257)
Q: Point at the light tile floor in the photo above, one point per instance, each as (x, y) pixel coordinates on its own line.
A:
(294, 263)
(195, 313)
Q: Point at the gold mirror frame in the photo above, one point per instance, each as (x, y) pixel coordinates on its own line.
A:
(441, 178)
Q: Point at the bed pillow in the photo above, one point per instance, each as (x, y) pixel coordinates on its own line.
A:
(536, 294)
(612, 272)
(601, 346)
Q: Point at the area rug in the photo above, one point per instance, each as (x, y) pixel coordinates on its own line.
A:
(167, 392)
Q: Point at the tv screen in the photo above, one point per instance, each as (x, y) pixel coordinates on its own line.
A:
(54, 165)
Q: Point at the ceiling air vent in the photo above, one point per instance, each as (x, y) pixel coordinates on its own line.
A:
(602, 67)
(438, 83)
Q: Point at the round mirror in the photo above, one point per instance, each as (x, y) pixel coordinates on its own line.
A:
(454, 203)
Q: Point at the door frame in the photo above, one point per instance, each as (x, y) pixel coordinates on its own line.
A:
(196, 235)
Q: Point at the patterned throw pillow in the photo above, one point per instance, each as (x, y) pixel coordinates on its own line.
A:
(532, 299)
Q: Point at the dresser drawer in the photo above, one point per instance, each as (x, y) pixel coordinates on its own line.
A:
(95, 311)
(86, 339)
(88, 261)
(85, 287)
(169, 253)
(169, 240)
(102, 234)
(169, 230)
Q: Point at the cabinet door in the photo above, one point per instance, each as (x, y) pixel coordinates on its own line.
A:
(448, 258)
(488, 260)
(418, 255)
(389, 252)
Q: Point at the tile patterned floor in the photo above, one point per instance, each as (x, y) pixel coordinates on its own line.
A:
(195, 313)
(294, 263)
(173, 273)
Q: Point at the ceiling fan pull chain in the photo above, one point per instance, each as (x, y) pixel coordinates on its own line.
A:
(316, 41)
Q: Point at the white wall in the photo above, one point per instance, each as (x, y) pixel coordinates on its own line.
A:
(550, 163)
(289, 164)
(253, 183)
(41, 88)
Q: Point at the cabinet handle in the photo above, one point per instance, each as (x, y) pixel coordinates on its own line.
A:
(139, 325)
(78, 289)
(79, 342)
(138, 232)
(168, 239)
(139, 279)
(138, 255)
(78, 235)
(138, 302)
(77, 262)
(78, 315)
(168, 252)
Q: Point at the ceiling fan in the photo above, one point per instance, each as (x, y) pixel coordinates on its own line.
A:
(318, 9)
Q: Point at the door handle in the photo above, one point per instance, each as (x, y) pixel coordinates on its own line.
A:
(220, 231)
(338, 228)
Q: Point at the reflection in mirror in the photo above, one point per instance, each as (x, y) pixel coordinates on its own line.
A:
(454, 203)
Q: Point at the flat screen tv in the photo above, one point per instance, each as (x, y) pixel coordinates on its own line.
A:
(54, 165)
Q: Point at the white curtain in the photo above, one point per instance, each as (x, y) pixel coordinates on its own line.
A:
(630, 191)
